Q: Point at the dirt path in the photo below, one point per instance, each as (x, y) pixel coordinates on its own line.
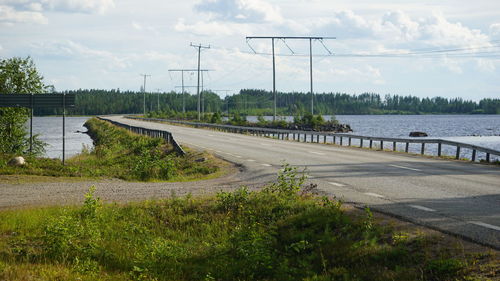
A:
(21, 195)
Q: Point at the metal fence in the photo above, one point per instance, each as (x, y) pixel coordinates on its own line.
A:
(166, 135)
(476, 152)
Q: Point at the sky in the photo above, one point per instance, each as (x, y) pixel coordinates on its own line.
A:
(422, 48)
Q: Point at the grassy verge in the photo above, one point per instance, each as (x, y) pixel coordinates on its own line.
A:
(278, 233)
(118, 154)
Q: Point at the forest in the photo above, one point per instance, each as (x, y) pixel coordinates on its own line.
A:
(255, 102)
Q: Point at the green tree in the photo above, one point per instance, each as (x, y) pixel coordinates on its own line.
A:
(18, 76)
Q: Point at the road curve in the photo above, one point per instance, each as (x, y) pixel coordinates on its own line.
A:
(455, 197)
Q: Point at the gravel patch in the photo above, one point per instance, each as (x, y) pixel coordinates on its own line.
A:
(114, 190)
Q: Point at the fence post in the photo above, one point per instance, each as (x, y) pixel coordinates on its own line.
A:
(371, 144)
(381, 145)
(360, 142)
(473, 155)
(349, 141)
(458, 153)
(439, 149)
(393, 146)
(423, 148)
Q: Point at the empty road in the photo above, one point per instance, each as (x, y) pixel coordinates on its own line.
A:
(454, 197)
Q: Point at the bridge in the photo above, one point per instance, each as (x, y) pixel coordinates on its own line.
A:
(454, 197)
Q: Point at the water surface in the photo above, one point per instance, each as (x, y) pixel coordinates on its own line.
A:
(50, 131)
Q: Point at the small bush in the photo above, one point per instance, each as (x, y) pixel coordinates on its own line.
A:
(273, 234)
(121, 154)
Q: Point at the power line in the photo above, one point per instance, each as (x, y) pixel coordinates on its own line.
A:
(199, 46)
(144, 92)
(182, 79)
(284, 38)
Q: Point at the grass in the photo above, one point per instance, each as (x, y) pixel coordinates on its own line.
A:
(117, 154)
(281, 232)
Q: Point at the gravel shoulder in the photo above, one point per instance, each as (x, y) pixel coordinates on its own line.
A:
(61, 192)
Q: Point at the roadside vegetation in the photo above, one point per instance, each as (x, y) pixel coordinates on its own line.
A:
(307, 121)
(281, 232)
(118, 153)
(18, 76)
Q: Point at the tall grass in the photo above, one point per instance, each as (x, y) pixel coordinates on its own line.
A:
(278, 233)
(120, 154)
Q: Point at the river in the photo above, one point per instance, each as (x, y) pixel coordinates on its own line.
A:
(482, 130)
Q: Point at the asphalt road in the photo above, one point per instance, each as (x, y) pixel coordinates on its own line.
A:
(454, 197)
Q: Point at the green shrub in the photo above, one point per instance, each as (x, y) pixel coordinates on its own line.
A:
(277, 233)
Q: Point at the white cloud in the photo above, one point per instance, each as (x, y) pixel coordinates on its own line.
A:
(73, 6)
(485, 65)
(212, 28)
(397, 28)
(452, 65)
(70, 50)
(495, 30)
(31, 11)
(80, 6)
(254, 11)
(136, 25)
(10, 16)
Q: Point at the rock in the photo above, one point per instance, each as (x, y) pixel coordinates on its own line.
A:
(17, 161)
(418, 134)
(202, 159)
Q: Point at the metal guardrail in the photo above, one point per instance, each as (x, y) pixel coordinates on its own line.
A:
(166, 135)
(338, 138)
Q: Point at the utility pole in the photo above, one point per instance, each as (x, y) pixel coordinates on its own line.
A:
(199, 46)
(144, 93)
(273, 38)
(311, 74)
(227, 102)
(182, 84)
(158, 95)
(202, 97)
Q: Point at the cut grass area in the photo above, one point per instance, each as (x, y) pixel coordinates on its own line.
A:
(279, 233)
(117, 154)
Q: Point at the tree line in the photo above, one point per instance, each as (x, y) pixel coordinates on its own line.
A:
(256, 102)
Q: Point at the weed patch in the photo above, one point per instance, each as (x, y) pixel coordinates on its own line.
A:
(278, 233)
(120, 154)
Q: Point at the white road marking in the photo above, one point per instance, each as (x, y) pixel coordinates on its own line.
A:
(265, 144)
(337, 184)
(317, 153)
(218, 151)
(422, 208)
(311, 177)
(374, 195)
(490, 226)
(237, 156)
(406, 168)
(211, 135)
(250, 160)
(266, 165)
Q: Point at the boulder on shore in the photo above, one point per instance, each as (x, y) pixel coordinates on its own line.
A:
(418, 134)
(17, 161)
